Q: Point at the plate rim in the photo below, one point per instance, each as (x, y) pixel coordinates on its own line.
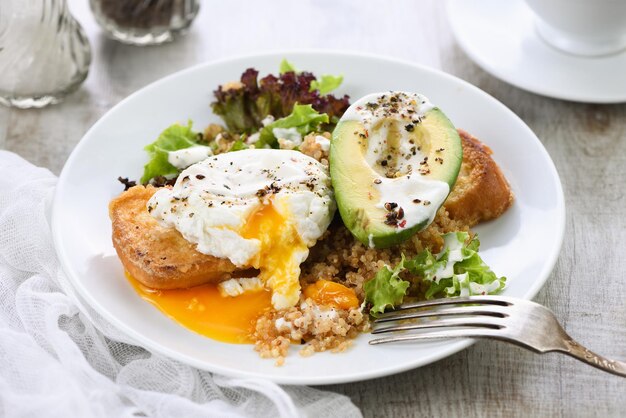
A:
(450, 349)
(500, 75)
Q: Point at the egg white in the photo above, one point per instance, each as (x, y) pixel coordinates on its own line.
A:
(213, 200)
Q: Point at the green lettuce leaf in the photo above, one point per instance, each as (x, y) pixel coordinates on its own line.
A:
(173, 138)
(386, 289)
(463, 272)
(304, 119)
(423, 265)
(286, 66)
(481, 280)
(458, 270)
(239, 144)
(327, 83)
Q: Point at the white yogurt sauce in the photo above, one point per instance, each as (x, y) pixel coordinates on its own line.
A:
(185, 157)
(454, 247)
(407, 192)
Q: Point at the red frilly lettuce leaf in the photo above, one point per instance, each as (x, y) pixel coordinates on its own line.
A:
(244, 106)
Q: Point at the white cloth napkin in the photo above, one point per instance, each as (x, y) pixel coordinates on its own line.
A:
(60, 358)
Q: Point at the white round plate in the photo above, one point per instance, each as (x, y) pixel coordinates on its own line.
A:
(523, 244)
(500, 36)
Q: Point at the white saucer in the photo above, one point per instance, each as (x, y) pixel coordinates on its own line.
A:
(500, 36)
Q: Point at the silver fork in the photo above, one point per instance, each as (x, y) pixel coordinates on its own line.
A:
(516, 321)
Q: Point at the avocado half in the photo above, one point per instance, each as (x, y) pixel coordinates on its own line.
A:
(356, 180)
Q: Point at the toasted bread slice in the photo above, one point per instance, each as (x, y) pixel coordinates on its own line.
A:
(481, 191)
(159, 257)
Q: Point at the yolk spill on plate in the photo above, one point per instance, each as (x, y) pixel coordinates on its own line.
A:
(204, 310)
(231, 319)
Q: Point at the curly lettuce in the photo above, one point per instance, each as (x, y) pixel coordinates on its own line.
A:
(386, 289)
(244, 106)
(458, 270)
(174, 138)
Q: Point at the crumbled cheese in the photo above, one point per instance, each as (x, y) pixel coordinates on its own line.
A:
(286, 144)
(290, 134)
(323, 141)
(267, 120)
(253, 138)
(219, 140)
(324, 314)
(282, 324)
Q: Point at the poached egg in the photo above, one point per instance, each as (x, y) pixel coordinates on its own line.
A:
(260, 208)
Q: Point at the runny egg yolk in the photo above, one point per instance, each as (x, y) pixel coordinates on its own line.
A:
(280, 255)
(325, 292)
(204, 310)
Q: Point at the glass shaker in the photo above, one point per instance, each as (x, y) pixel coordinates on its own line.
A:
(44, 53)
(144, 22)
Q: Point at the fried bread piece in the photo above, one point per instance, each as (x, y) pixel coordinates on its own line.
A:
(159, 257)
(481, 191)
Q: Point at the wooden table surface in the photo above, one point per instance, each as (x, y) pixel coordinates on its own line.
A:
(587, 289)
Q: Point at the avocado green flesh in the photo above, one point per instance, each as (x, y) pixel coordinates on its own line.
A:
(353, 177)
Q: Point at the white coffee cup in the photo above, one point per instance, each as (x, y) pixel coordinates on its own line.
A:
(582, 27)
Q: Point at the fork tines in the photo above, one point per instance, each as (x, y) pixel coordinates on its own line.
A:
(484, 314)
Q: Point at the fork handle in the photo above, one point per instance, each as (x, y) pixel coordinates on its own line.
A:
(585, 355)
